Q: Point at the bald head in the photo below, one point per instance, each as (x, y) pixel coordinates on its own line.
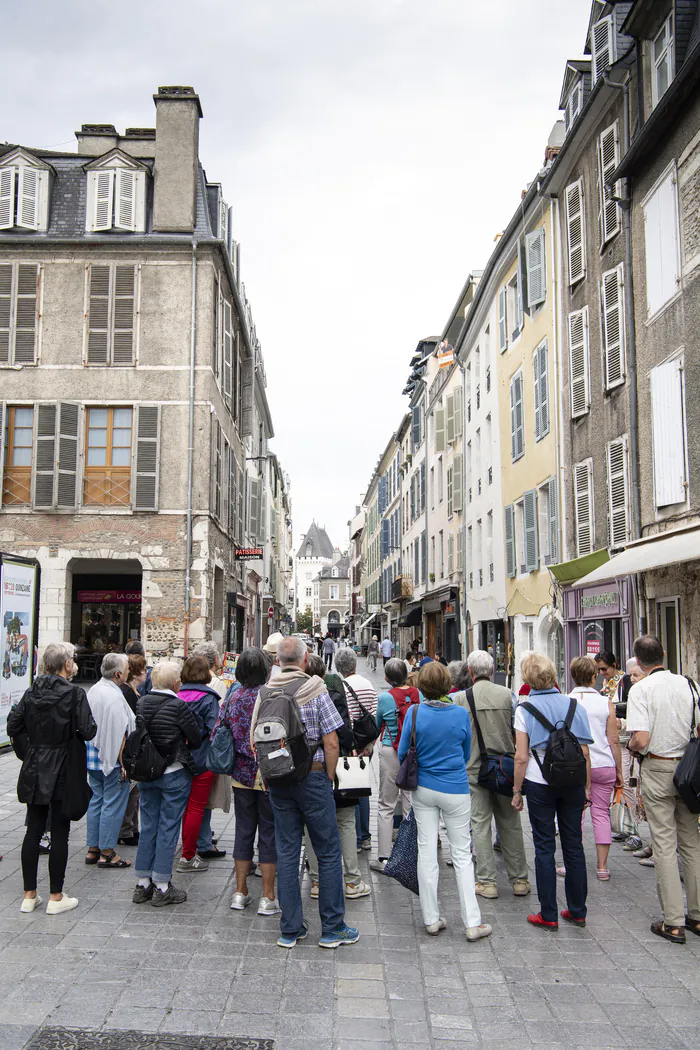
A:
(292, 652)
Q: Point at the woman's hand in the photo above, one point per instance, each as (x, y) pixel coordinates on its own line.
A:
(517, 801)
(619, 782)
(588, 798)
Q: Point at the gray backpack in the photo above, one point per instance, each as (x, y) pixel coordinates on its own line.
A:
(284, 752)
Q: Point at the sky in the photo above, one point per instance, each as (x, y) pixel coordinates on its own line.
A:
(371, 151)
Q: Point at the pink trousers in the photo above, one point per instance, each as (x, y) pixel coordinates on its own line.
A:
(602, 782)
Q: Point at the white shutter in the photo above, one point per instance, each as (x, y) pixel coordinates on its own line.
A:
(7, 198)
(125, 204)
(227, 371)
(661, 234)
(26, 297)
(450, 418)
(536, 268)
(530, 543)
(450, 554)
(668, 433)
(223, 219)
(613, 327)
(575, 231)
(517, 435)
(263, 511)
(608, 160)
(459, 412)
(68, 433)
(102, 199)
(28, 188)
(579, 366)
(542, 388)
(511, 567)
(254, 509)
(602, 46)
(618, 492)
(552, 522)
(124, 315)
(439, 429)
(5, 311)
(583, 505)
(457, 487)
(147, 458)
(536, 393)
(45, 455)
(503, 319)
(98, 314)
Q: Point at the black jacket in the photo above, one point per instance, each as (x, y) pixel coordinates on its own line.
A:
(171, 725)
(44, 714)
(130, 695)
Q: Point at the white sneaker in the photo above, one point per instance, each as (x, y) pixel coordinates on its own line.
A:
(377, 865)
(475, 933)
(239, 901)
(30, 903)
(268, 907)
(196, 864)
(65, 904)
(357, 889)
(434, 928)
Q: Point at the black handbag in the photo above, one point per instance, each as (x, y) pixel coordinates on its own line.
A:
(407, 776)
(76, 790)
(364, 728)
(496, 772)
(686, 779)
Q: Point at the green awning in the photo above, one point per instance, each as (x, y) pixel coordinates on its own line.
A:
(570, 571)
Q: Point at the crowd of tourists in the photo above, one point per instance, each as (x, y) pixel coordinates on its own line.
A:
(148, 753)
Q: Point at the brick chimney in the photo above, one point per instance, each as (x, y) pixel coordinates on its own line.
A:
(178, 113)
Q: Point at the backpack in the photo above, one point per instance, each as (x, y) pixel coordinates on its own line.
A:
(686, 779)
(564, 764)
(141, 758)
(404, 700)
(284, 752)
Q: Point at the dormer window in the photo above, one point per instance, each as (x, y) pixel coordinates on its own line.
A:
(24, 192)
(663, 61)
(334, 572)
(574, 104)
(603, 46)
(116, 194)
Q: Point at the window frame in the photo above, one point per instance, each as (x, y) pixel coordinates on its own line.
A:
(14, 296)
(112, 303)
(7, 446)
(668, 53)
(108, 469)
(669, 173)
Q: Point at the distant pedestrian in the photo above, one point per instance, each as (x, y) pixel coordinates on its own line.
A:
(328, 651)
(203, 701)
(459, 675)
(270, 649)
(387, 648)
(373, 652)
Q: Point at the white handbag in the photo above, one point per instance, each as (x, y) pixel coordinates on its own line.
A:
(352, 777)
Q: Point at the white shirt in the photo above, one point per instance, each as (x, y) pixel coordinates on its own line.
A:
(387, 647)
(598, 710)
(661, 705)
(533, 771)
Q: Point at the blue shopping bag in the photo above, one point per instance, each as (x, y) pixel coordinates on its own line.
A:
(402, 865)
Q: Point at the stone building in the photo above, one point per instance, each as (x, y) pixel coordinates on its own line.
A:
(315, 553)
(332, 596)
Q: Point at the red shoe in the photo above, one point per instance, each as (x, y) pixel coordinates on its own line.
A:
(568, 917)
(537, 920)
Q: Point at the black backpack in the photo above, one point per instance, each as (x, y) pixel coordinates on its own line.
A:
(141, 758)
(564, 764)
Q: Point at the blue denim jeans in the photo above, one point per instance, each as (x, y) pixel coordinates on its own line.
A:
(544, 803)
(110, 795)
(204, 842)
(310, 802)
(362, 821)
(163, 804)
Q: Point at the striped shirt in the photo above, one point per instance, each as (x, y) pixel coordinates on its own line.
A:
(366, 694)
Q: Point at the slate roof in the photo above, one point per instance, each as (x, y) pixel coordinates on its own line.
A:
(343, 567)
(321, 546)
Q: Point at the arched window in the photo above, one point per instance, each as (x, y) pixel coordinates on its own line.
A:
(309, 550)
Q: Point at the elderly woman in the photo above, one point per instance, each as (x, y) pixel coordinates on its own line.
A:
(357, 688)
(173, 728)
(203, 701)
(546, 803)
(44, 720)
(443, 743)
(459, 675)
(211, 654)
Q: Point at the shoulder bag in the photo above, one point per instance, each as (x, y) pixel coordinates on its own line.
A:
(364, 728)
(352, 778)
(76, 790)
(686, 779)
(402, 865)
(407, 776)
(496, 772)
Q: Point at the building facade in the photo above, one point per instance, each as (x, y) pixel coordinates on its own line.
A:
(314, 554)
(332, 597)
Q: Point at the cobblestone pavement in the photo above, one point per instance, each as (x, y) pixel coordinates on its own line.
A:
(203, 969)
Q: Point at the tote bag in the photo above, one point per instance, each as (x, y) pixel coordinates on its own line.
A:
(76, 791)
(352, 777)
(402, 865)
(621, 819)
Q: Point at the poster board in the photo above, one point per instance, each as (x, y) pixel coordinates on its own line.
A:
(19, 599)
(229, 667)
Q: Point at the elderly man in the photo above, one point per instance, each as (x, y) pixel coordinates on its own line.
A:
(106, 775)
(308, 801)
(357, 689)
(492, 710)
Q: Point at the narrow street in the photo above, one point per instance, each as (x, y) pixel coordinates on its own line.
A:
(204, 970)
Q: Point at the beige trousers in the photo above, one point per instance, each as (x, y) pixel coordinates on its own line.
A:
(671, 825)
(486, 805)
(345, 819)
(388, 797)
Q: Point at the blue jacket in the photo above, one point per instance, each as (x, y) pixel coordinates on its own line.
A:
(203, 701)
(443, 744)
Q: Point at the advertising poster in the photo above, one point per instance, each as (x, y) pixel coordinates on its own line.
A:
(229, 664)
(17, 603)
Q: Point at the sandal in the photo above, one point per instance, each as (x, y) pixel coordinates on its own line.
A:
(603, 875)
(111, 860)
(693, 925)
(93, 855)
(676, 934)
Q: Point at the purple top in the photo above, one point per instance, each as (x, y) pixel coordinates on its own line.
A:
(237, 714)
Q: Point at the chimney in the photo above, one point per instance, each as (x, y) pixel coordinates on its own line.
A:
(96, 139)
(178, 112)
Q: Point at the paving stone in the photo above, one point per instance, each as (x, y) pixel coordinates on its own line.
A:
(191, 1022)
(362, 1008)
(14, 1036)
(360, 989)
(136, 1018)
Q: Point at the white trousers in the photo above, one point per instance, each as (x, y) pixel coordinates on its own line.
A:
(428, 805)
(388, 797)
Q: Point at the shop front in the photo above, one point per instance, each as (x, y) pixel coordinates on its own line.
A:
(106, 614)
(441, 610)
(598, 617)
(492, 638)
(235, 621)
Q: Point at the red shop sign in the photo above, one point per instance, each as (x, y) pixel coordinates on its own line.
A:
(118, 597)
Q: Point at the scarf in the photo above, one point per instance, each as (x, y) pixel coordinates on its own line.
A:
(114, 719)
(442, 701)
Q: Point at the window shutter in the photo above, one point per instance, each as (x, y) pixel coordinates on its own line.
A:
(618, 495)
(602, 46)
(450, 554)
(68, 431)
(511, 569)
(413, 497)
(26, 314)
(530, 530)
(424, 556)
(661, 235)
(7, 198)
(385, 538)
(422, 486)
(536, 283)
(28, 185)
(439, 429)
(227, 372)
(145, 484)
(125, 210)
(522, 277)
(457, 489)
(613, 327)
(536, 393)
(415, 427)
(232, 494)
(45, 458)
(459, 412)
(553, 522)
(583, 502)
(5, 311)
(103, 195)
(575, 231)
(668, 430)
(450, 492)
(263, 511)
(503, 319)
(517, 434)
(124, 315)
(254, 509)
(241, 504)
(382, 497)
(460, 551)
(542, 383)
(98, 315)
(450, 418)
(579, 363)
(608, 158)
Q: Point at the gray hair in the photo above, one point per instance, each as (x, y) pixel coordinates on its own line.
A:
(210, 653)
(457, 670)
(395, 672)
(632, 665)
(346, 662)
(112, 663)
(291, 651)
(165, 674)
(480, 663)
(56, 655)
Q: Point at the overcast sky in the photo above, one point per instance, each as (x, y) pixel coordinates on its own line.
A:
(371, 150)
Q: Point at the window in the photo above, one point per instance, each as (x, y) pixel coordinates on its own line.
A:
(530, 538)
(449, 492)
(19, 303)
(470, 555)
(663, 60)
(576, 231)
(108, 457)
(669, 433)
(579, 363)
(422, 487)
(441, 545)
(489, 545)
(334, 592)
(439, 429)
(541, 390)
(488, 450)
(459, 412)
(503, 319)
(477, 460)
(110, 324)
(457, 493)
(432, 555)
(583, 506)
(608, 160)
(509, 528)
(440, 480)
(334, 572)
(515, 306)
(613, 295)
(24, 192)
(536, 268)
(662, 241)
(517, 423)
(602, 46)
(432, 488)
(116, 199)
(415, 427)
(308, 592)
(574, 104)
(17, 454)
(478, 554)
(519, 537)
(548, 522)
(618, 492)
(528, 636)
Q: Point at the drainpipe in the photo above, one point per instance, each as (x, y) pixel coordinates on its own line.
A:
(190, 451)
(558, 343)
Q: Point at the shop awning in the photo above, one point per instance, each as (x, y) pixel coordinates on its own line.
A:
(669, 548)
(571, 571)
(413, 617)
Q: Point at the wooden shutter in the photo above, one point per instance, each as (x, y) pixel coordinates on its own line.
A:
(618, 492)
(661, 235)
(3, 410)
(450, 492)
(457, 486)
(241, 504)
(459, 412)
(385, 538)
(511, 568)
(522, 277)
(26, 314)
(517, 433)
(227, 371)
(450, 554)
(439, 429)
(668, 433)
(45, 455)
(608, 159)
(247, 370)
(579, 364)
(232, 494)
(602, 46)
(415, 427)
(536, 393)
(583, 505)
(124, 324)
(263, 511)
(503, 319)
(254, 509)
(530, 545)
(103, 198)
(552, 521)
(541, 382)
(460, 551)
(450, 418)
(575, 227)
(28, 191)
(125, 204)
(225, 467)
(98, 314)
(5, 311)
(68, 432)
(536, 268)
(7, 198)
(613, 327)
(147, 459)
(422, 486)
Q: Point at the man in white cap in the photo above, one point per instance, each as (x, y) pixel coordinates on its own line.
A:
(270, 647)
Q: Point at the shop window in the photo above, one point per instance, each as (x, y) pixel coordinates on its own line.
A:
(17, 456)
(668, 619)
(108, 457)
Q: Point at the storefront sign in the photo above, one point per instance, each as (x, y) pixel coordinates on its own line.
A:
(17, 596)
(593, 647)
(110, 597)
(599, 601)
(249, 553)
